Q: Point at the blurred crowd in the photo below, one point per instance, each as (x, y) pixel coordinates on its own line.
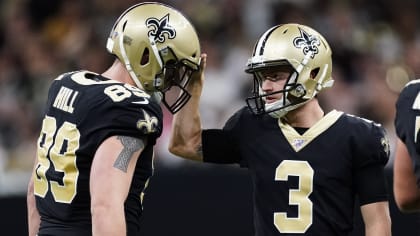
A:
(376, 50)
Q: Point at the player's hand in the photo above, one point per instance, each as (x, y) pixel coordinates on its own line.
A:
(198, 76)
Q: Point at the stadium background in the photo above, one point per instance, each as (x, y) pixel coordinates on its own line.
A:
(376, 50)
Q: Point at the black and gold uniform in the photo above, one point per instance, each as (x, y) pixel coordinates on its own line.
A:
(304, 180)
(407, 122)
(83, 109)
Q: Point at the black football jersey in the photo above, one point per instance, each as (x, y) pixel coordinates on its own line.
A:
(83, 109)
(304, 184)
(407, 122)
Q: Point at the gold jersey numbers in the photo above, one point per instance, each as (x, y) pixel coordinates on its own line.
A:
(119, 92)
(57, 146)
(298, 197)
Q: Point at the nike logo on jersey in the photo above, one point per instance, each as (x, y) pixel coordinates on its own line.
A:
(145, 101)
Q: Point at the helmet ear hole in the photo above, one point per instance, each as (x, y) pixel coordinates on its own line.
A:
(314, 73)
(145, 57)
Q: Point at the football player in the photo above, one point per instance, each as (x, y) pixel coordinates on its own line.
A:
(407, 155)
(307, 167)
(95, 148)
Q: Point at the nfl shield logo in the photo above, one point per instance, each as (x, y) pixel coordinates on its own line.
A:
(298, 143)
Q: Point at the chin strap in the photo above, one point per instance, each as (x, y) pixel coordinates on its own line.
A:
(277, 113)
(156, 96)
(320, 84)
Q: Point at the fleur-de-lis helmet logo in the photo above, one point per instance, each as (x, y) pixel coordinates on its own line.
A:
(160, 28)
(308, 42)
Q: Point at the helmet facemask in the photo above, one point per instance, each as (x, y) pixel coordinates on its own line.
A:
(292, 94)
(173, 80)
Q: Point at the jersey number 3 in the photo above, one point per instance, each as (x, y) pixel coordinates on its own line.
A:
(298, 197)
(57, 147)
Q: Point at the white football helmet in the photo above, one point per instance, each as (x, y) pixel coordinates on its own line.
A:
(305, 51)
(159, 47)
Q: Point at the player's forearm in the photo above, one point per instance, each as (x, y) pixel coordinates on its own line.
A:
(108, 221)
(406, 192)
(377, 219)
(33, 216)
(33, 221)
(185, 138)
(380, 229)
(410, 202)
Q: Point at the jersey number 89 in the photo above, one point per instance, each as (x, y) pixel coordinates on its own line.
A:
(50, 150)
